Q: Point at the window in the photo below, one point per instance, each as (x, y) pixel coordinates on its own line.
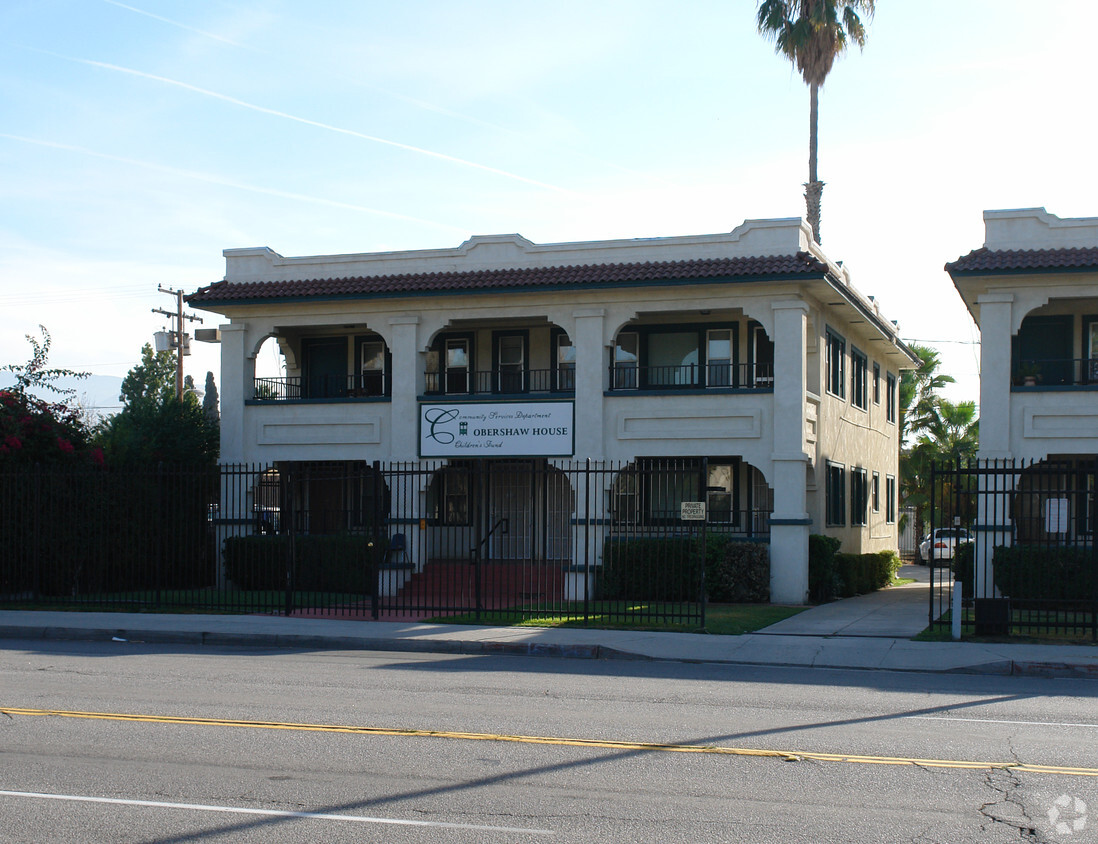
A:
(668, 357)
(762, 357)
(859, 495)
(718, 358)
(875, 493)
(566, 363)
(448, 498)
(324, 367)
(510, 363)
(626, 361)
(836, 494)
(890, 397)
(890, 499)
(876, 383)
(652, 492)
(836, 365)
(458, 362)
(858, 369)
(372, 368)
(673, 359)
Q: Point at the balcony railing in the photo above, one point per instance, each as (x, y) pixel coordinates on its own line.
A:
(297, 388)
(467, 382)
(1055, 373)
(741, 376)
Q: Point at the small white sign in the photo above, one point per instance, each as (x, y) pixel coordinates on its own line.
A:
(1056, 515)
(693, 511)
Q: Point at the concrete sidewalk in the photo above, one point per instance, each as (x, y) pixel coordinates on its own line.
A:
(769, 648)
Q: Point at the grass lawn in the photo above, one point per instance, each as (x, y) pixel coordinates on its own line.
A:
(1031, 618)
(724, 619)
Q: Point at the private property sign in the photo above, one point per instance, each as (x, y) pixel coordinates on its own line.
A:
(497, 429)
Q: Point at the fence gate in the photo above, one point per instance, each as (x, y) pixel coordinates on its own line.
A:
(1018, 538)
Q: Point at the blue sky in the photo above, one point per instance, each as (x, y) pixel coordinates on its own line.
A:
(139, 139)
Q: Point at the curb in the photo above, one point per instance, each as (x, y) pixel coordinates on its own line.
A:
(1002, 668)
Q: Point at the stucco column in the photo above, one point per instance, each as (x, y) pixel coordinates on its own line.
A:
(996, 312)
(237, 383)
(406, 378)
(590, 366)
(790, 522)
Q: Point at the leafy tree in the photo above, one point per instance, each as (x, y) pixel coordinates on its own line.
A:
(152, 380)
(36, 374)
(919, 400)
(209, 401)
(155, 426)
(33, 430)
(933, 431)
(812, 34)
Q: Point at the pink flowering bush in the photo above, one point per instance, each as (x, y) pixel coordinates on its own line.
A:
(36, 431)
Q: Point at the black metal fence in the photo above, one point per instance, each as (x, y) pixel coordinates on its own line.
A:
(1017, 538)
(493, 540)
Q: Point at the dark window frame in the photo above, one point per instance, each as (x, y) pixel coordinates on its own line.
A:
(836, 364)
(836, 494)
(859, 497)
(859, 370)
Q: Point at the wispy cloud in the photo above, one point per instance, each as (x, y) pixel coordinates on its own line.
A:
(170, 22)
(307, 122)
(412, 101)
(229, 183)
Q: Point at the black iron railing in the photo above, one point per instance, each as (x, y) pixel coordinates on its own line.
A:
(296, 388)
(741, 376)
(469, 382)
(1049, 372)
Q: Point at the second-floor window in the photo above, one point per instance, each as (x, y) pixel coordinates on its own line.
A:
(670, 356)
(858, 372)
(836, 494)
(836, 365)
(566, 363)
(890, 397)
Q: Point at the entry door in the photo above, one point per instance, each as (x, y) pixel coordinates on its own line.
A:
(511, 497)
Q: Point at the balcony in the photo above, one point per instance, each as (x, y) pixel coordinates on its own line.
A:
(1054, 373)
(713, 376)
(461, 381)
(372, 385)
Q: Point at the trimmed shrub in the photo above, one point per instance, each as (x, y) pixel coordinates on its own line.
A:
(660, 569)
(1030, 573)
(823, 579)
(863, 573)
(738, 572)
(341, 563)
(964, 568)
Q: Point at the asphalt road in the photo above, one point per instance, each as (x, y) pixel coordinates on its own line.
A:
(132, 742)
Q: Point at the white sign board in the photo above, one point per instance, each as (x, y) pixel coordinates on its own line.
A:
(497, 429)
(1056, 515)
(693, 511)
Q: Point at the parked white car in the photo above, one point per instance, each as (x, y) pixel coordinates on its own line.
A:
(938, 545)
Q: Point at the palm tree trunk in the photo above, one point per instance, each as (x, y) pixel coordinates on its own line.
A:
(813, 189)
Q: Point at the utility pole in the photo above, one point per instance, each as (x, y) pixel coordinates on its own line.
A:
(178, 337)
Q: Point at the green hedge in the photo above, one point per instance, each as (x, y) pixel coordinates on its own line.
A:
(1025, 572)
(737, 572)
(661, 569)
(964, 567)
(341, 563)
(669, 569)
(863, 573)
(824, 582)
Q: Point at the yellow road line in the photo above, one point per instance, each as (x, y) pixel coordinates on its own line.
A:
(604, 744)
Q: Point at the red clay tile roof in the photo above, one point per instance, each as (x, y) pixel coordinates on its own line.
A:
(983, 260)
(588, 275)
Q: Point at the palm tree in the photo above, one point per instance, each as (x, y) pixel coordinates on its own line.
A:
(812, 34)
(920, 404)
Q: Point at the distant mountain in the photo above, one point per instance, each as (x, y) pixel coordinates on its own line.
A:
(98, 393)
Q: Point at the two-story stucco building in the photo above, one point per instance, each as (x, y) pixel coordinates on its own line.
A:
(1032, 289)
(750, 350)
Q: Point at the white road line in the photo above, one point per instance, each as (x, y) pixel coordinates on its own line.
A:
(198, 807)
(998, 721)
